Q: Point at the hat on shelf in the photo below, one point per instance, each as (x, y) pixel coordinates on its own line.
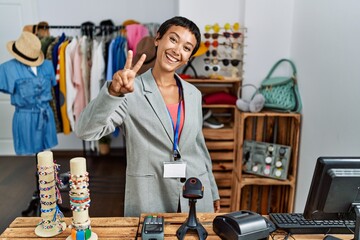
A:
(106, 27)
(30, 28)
(146, 45)
(130, 22)
(202, 50)
(27, 49)
(42, 29)
(88, 29)
(127, 23)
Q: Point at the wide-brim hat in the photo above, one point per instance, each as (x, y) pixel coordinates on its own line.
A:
(146, 45)
(27, 49)
(202, 50)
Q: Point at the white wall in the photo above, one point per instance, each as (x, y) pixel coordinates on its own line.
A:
(325, 47)
(69, 12)
(268, 37)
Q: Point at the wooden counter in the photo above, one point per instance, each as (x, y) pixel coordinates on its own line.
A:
(105, 228)
(130, 228)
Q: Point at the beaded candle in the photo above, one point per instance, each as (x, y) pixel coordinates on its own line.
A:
(51, 223)
(80, 201)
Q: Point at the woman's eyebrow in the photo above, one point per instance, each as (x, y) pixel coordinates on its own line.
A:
(177, 35)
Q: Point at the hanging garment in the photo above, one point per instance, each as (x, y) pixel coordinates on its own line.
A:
(70, 88)
(53, 102)
(78, 81)
(109, 70)
(33, 121)
(119, 53)
(134, 33)
(62, 87)
(97, 75)
(85, 43)
(55, 57)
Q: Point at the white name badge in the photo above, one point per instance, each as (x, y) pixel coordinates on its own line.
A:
(174, 169)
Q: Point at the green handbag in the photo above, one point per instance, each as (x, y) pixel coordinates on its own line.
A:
(281, 93)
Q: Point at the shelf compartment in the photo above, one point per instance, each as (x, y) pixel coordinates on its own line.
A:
(271, 127)
(265, 199)
(219, 134)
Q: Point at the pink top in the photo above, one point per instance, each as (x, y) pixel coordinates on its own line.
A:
(77, 78)
(173, 108)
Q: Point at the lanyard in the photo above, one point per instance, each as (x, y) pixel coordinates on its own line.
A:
(176, 152)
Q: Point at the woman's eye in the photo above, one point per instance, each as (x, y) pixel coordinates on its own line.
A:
(172, 39)
(187, 49)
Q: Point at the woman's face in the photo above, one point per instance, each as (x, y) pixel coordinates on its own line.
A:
(175, 48)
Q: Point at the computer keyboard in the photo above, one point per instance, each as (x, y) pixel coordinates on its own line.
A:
(295, 223)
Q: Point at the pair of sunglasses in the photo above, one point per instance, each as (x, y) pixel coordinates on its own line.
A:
(214, 68)
(225, 62)
(234, 27)
(212, 52)
(234, 62)
(211, 35)
(216, 28)
(232, 45)
(232, 34)
(214, 44)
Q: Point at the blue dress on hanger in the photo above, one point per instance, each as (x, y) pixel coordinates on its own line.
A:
(33, 123)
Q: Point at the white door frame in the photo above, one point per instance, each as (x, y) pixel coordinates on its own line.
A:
(14, 14)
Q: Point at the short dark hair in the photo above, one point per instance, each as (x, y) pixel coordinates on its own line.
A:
(182, 22)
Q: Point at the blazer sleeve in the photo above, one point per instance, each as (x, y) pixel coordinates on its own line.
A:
(101, 116)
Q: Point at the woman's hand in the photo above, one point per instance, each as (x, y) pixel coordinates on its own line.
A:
(217, 206)
(123, 80)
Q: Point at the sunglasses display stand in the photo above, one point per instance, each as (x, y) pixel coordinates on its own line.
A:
(224, 57)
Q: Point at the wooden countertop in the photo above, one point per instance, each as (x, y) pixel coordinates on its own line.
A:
(105, 228)
(130, 228)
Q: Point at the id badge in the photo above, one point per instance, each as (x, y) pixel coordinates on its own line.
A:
(174, 169)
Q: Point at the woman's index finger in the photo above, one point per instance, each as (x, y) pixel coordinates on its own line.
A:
(129, 59)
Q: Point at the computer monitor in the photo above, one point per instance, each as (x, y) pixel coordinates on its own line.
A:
(335, 190)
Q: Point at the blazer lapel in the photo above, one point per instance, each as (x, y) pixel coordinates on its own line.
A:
(153, 96)
(191, 106)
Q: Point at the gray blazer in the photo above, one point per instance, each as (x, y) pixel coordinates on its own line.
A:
(145, 122)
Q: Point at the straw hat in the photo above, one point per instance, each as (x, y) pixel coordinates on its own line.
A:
(27, 49)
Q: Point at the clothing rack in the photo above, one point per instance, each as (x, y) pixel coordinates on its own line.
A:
(86, 28)
(89, 29)
(104, 27)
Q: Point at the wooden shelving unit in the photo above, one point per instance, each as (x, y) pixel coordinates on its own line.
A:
(222, 142)
(261, 194)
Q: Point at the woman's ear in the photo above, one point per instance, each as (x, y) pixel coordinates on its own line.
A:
(156, 42)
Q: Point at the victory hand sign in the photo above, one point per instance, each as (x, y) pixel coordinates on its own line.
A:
(123, 80)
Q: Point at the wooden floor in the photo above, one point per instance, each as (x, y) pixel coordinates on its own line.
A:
(107, 184)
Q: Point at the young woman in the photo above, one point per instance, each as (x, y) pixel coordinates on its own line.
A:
(161, 117)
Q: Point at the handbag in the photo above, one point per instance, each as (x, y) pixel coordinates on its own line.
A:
(281, 93)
